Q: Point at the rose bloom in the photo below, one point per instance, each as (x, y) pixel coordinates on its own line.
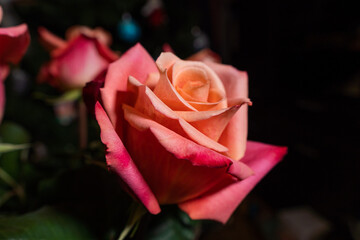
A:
(78, 60)
(14, 42)
(175, 132)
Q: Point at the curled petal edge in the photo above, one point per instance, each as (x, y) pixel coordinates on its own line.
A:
(183, 148)
(120, 161)
(221, 204)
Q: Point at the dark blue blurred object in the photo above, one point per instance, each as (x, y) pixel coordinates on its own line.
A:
(128, 30)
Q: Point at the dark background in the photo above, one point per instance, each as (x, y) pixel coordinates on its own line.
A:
(302, 58)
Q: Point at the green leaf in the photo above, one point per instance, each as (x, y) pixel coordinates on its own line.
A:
(12, 133)
(8, 147)
(46, 223)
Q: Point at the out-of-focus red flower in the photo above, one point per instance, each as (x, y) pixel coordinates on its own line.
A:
(14, 42)
(78, 60)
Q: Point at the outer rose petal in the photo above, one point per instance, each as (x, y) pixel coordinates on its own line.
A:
(120, 161)
(163, 164)
(221, 204)
(78, 63)
(236, 86)
(13, 43)
(49, 40)
(135, 62)
(100, 34)
(211, 123)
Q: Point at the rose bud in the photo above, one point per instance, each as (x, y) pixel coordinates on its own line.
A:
(76, 61)
(176, 133)
(14, 42)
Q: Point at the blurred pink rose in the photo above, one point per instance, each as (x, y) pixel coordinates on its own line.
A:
(14, 42)
(76, 61)
(176, 131)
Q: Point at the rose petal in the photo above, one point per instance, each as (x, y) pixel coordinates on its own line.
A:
(165, 91)
(100, 34)
(49, 40)
(120, 161)
(215, 98)
(192, 84)
(152, 80)
(80, 62)
(150, 105)
(211, 123)
(14, 42)
(166, 60)
(221, 204)
(181, 67)
(236, 86)
(164, 161)
(135, 62)
(209, 106)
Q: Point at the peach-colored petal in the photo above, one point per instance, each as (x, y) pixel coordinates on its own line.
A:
(221, 204)
(192, 84)
(203, 79)
(14, 42)
(165, 91)
(150, 105)
(152, 80)
(206, 92)
(158, 153)
(211, 123)
(236, 86)
(119, 160)
(182, 67)
(49, 40)
(200, 106)
(166, 60)
(135, 62)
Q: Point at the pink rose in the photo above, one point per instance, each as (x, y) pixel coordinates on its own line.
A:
(76, 61)
(14, 42)
(176, 131)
